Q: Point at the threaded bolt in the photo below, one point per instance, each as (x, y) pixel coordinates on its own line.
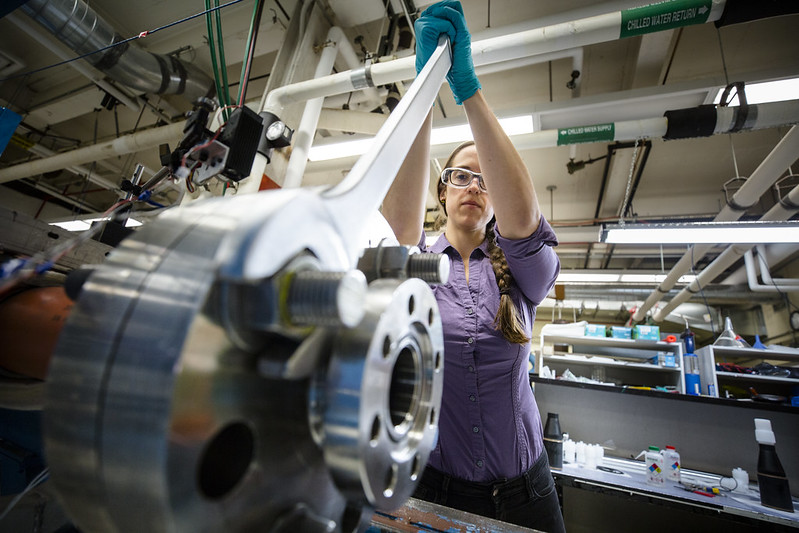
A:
(432, 268)
(326, 298)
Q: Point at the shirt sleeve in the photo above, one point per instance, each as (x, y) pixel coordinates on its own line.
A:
(532, 261)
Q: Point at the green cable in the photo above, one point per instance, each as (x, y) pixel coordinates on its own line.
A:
(223, 63)
(247, 49)
(209, 24)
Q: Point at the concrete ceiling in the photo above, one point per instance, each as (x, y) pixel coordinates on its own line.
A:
(619, 80)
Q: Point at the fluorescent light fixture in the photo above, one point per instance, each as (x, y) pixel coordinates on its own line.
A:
(703, 233)
(599, 276)
(84, 224)
(769, 91)
(446, 134)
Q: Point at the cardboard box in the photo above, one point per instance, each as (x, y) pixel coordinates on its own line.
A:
(649, 333)
(595, 330)
(621, 332)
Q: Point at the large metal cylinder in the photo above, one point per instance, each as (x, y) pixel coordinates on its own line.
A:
(181, 399)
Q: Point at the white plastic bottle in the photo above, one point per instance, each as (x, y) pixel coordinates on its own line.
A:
(671, 462)
(653, 460)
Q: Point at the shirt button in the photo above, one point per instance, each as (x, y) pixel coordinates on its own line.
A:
(476, 429)
(471, 368)
(470, 340)
(470, 311)
(471, 397)
(480, 463)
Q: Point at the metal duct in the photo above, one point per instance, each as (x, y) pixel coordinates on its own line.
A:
(75, 24)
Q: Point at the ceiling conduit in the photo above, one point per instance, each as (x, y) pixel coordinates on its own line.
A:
(764, 176)
(562, 36)
(336, 44)
(781, 211)
(75, 24)
(769, 284)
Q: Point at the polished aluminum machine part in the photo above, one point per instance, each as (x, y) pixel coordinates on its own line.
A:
(228, 369)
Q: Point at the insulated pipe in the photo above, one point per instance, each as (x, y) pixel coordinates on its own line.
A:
(33, 31)
(765, 274)
(727, 258)
(754, 286)
(303, 138)
(120, 146)
(79, 27)
(768, 115)
(563, 36)
(764, 176)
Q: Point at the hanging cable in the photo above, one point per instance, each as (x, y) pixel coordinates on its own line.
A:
(222, 61)
(249, 51)
(209, 23)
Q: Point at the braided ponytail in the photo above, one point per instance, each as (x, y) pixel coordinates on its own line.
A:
(507, 319)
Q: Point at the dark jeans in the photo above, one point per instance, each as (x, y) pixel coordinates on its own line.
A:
(529, 500)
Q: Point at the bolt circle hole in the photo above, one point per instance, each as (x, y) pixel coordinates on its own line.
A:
(432, 416)
(375, 434)
(437, 362)
(404, 384)
(225, 460)
(431, 316)
(386, 346)
(391, 481)
(416, 467)
(411, 305)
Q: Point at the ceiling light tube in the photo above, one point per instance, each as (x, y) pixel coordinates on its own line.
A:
(703, 233)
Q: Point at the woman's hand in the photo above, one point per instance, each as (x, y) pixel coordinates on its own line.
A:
(447, 18)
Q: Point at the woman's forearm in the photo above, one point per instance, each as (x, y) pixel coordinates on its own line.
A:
(404, 204)
(508, 180)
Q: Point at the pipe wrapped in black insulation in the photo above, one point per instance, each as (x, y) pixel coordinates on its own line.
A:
(691, 122)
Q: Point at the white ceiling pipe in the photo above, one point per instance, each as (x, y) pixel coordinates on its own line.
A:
(765, 273)
(60, 50)
(764, 176)
(303, 137)
(123, 145)
(41, 151)
(755, 285)
(347, 53)
(562, 36)
(774, 253)
(351, 121)
(726, 259)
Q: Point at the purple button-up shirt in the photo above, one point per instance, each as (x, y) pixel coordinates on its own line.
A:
(489, 426)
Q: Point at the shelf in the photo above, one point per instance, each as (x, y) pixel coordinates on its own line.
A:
(757, 377)
(587, 360)
(752, 353)
(611, 342)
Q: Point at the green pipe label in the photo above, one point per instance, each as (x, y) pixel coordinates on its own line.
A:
(663, 16)
(586, 134)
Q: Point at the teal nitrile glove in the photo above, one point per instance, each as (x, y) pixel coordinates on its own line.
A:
(428, 29)
(461, 77)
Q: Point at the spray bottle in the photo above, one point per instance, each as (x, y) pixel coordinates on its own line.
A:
(771, 479)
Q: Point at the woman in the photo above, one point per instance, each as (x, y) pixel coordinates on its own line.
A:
(490, 457)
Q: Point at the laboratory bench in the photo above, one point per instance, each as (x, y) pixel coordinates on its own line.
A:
(617, 498)
(712, 435)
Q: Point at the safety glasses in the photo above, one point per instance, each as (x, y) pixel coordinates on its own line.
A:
(462, 178)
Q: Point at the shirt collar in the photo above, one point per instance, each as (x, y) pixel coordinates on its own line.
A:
(442, 244)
